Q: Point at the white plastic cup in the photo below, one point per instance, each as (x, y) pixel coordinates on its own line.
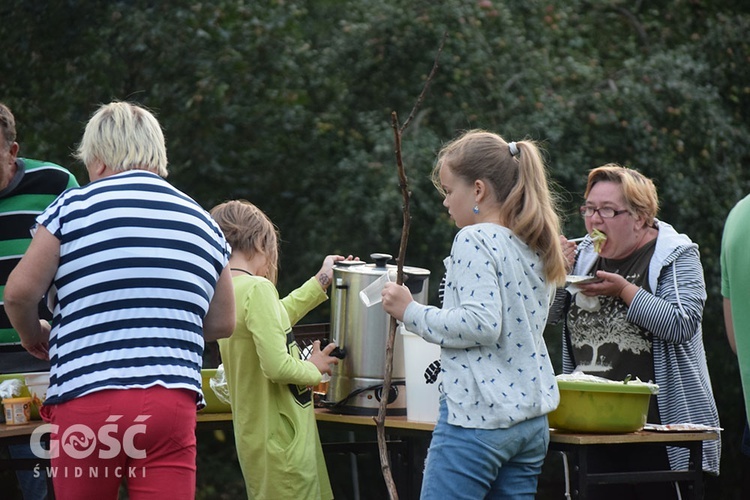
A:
(322, 388)
(371, 293)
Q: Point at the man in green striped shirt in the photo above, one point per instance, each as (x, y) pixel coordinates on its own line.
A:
(27, 187)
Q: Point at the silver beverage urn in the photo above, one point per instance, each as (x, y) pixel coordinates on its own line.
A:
(361, 332)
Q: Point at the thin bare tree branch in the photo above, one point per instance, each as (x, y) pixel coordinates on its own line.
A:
(421, 97)
(406, 195)
(385, 466)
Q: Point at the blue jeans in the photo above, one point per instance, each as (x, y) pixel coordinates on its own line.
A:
(484, 463)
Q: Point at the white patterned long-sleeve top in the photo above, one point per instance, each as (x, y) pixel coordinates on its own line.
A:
(496, 369)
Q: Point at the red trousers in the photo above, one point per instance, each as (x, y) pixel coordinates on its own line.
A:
(144, 437)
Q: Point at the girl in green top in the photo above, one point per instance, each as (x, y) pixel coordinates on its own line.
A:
(269, 383)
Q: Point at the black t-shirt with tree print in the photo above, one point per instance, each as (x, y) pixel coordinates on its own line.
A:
(604, 343)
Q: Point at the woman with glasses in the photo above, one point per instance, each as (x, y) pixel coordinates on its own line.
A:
(643, 317)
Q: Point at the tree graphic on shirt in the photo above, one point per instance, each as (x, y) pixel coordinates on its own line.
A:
(606, 326)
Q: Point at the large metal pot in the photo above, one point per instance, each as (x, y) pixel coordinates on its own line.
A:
(362, 332)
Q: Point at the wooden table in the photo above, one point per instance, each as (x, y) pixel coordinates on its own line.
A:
(18, 431)
(576, 447)
(402, 434)
(391, 422)
(323, 415)
(207, 420)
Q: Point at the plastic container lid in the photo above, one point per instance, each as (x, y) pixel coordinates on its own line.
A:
(9, 401)
(620, 387)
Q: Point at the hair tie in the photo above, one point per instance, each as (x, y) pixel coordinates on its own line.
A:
(513, 148)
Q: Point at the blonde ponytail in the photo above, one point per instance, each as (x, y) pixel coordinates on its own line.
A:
(530, 211)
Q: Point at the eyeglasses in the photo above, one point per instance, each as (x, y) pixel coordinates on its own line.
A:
(604, 212)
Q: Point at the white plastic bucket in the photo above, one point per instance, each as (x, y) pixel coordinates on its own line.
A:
(421, 367)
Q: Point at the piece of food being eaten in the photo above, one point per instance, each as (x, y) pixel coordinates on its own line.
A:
(598, 238)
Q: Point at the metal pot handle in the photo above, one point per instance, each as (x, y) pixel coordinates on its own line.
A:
(381, 259)
(338, 312)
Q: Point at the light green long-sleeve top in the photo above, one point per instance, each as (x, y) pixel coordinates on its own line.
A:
(270, 390)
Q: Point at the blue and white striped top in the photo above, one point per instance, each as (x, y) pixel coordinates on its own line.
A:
(139, 263)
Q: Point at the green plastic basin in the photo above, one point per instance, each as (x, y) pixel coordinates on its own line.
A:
(592, 407)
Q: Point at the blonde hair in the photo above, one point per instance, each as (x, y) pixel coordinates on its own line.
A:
(249, 230)
(520, 185)
(124, 136)
(639, 191)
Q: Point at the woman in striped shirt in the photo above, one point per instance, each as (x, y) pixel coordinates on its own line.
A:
(141, 278)
(643, 318)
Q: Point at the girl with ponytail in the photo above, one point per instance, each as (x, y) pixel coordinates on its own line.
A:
(506, 261)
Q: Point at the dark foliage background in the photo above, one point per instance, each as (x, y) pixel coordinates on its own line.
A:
(287, 103)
